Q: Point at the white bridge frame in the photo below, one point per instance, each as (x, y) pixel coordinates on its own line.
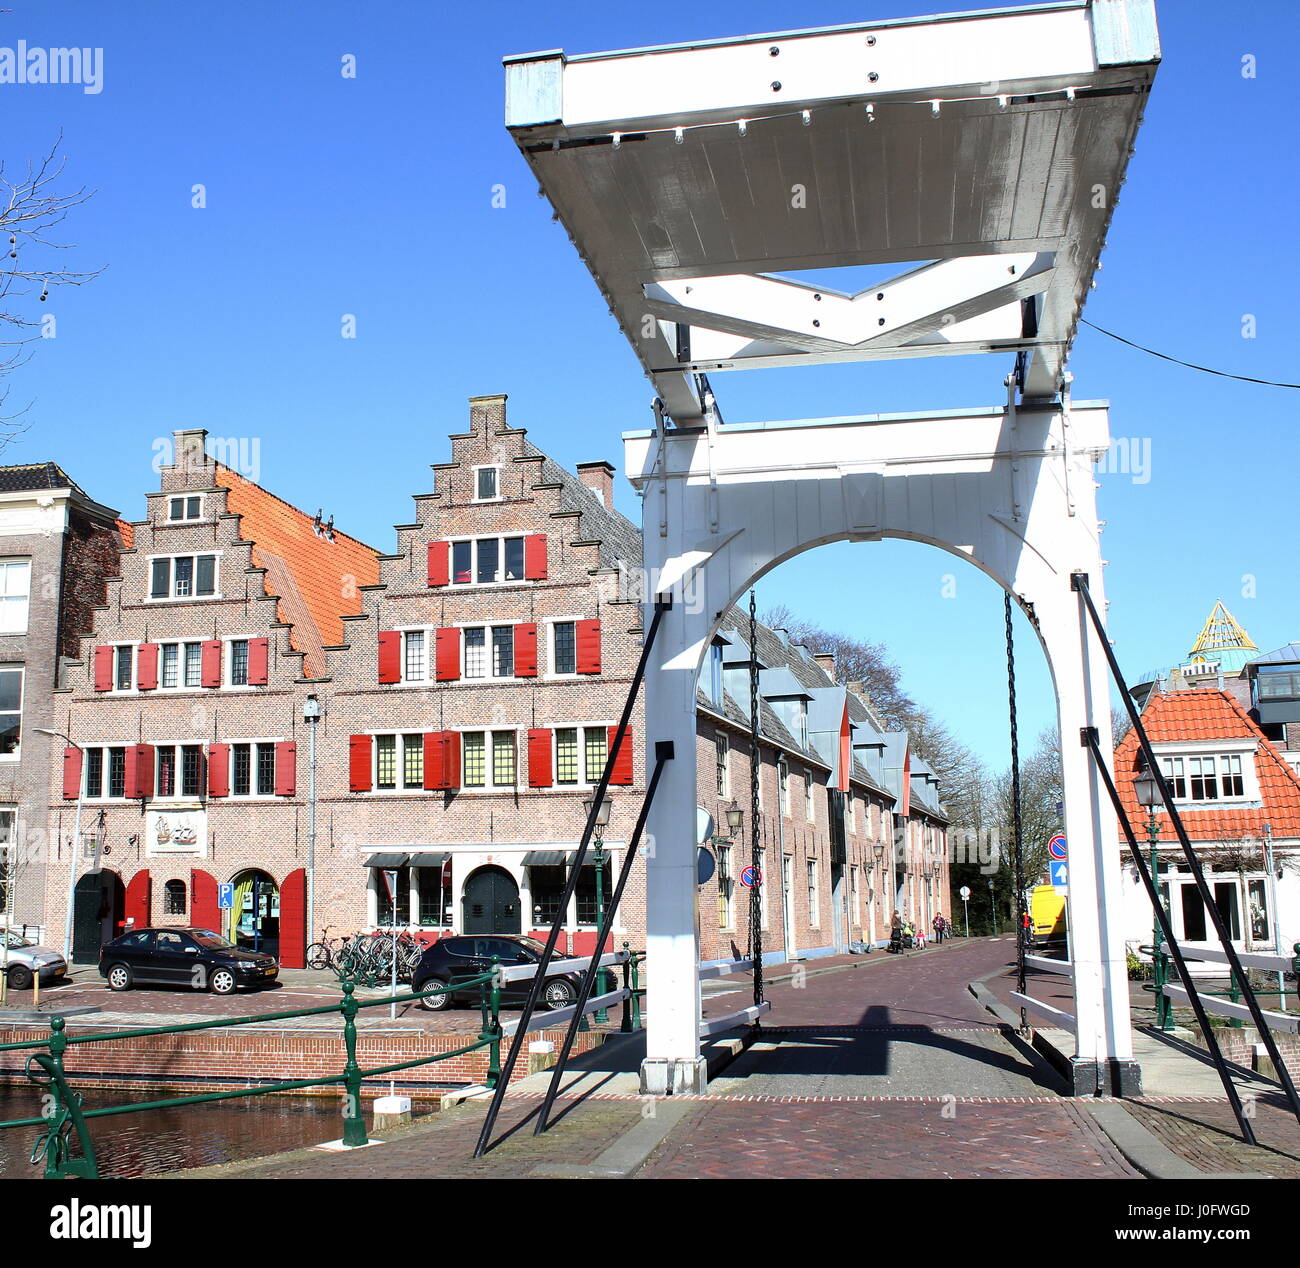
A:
(982, 152)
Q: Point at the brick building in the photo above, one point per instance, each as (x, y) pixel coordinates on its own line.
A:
(58, 547)
(468, 684)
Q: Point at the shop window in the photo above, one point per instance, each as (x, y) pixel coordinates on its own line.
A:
(547, 887)
(586, 893)
(174, 898)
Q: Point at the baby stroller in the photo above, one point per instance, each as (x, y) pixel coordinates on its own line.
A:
(901, 940)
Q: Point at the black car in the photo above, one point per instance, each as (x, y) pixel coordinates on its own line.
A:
(452, 960)
(194, 958)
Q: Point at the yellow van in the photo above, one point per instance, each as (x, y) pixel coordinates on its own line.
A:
(1046, 916)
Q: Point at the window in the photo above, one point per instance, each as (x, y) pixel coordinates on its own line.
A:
(547, 887)
(814, 913)
(476, 653)
(183, 577)
(414, 656)
(713, 674)
(855, 904)
(99, 763)
(399, 761)
(1278, 686)
(488, 759)
(384, 904)
(1205, 777)
(252, 770)
(239, 662)
(123, 663)
(485, 483)
(574, 766)
(503, 651)
(808, 809)
(185, 508)
(564, 647)
(487, 561)
(433, 901)
(11, 712)
(174, 898)
(179, 770)
(762, 885)
(720, 747)
(8, 823)
(783, 784)
(15, 595)
(726, 889)
(1233, 784)
(476, 641)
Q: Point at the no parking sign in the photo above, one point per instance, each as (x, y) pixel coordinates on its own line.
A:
(751, 877)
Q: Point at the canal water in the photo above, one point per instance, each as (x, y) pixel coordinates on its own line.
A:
(154, 1142)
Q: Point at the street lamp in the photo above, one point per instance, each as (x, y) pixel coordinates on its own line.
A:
(601, 822)
(735, 818)
(1147, 788)
(993, 910)
(76, 845)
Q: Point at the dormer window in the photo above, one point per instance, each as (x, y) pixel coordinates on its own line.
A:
(1201, 777)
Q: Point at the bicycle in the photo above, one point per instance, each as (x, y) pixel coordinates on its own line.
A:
(320, 954)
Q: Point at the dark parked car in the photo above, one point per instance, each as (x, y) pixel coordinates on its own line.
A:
(452, 960)
(195, 958)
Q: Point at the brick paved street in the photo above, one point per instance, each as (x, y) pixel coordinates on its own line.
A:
(1205, 1133)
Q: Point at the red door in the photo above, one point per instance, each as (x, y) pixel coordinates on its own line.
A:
(139, 901)
(293, 920)
(204, 912)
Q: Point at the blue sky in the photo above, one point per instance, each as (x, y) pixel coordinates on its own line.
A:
(373, 196)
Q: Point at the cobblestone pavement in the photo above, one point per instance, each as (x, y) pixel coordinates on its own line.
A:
(907, 1139)
(1205, 1133)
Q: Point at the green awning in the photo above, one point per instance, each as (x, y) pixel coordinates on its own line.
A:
(546, 858)
(387, 860)
(429, 860)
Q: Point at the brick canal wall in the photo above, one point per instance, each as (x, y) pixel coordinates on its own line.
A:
(212, 1060)
(1239, 1046)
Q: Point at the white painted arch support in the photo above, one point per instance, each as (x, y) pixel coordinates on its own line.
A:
(1010, 490)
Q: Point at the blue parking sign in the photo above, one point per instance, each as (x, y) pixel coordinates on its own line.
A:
(226, 896)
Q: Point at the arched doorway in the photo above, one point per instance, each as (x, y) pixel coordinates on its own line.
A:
(98, 914)
(253, 923)
(491, 902)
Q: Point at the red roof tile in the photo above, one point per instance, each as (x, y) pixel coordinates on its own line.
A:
(126, 532)
(315, 580)
(1211, 716)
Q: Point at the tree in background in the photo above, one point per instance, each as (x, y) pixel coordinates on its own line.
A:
(31, 209)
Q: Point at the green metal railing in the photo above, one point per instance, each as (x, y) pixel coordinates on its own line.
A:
(64, 1117)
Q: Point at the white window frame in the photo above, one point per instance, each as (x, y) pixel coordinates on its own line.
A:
(1243, 748)
(809, 804)
(581, 727)
(21, 565)
(399, 788)
(722, 764)
(487, 466)
(172, 597)
(104, 748)
(178, 796)
(474, 539)
(21, 671)
(551, 671)
(251, 795)
(726, 889)
(813, 884)
(185, 519)
(489, 785)
(114, 689)
(783, 785)
(487, 627)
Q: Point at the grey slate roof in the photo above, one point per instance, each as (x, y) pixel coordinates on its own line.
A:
(1288, 655)
(36, 475)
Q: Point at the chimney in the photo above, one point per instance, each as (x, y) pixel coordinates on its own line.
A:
(599, 478)
(827, 661)
(189, 450)
(488, 412)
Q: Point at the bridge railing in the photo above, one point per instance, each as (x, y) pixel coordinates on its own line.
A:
(64, 1116)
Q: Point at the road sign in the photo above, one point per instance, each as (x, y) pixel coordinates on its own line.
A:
(705, 865)
(1056, 846)
(964, 891)
(750, 877)
(226, 896)
(1060, 873)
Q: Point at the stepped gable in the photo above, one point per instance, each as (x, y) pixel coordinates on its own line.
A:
(1211, 716)
(315, 580)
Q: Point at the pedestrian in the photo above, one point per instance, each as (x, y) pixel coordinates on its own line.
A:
(940, 926)
(896, 933)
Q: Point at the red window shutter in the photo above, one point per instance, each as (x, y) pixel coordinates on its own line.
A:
(146, 667)
(434, 773)
(390, 656)
(451, 758)
(286, 768)
(622, 772)
(535, 557)
(359, 750)
(210, 663)
(103, 669)
(139, 771)
(587, 643)
(71, 773)
(259, 661)
(204, 912)
(539, 757)
(218, 770)
(447, 655)
(526, 650)
(439, 563)
(138, 902)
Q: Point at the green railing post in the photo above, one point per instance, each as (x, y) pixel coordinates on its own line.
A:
(625, 1027)
(62, 1111)
(1160, 979)
(354, 1123)
(1234, 994)
(490, 1006)
(636, 992)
